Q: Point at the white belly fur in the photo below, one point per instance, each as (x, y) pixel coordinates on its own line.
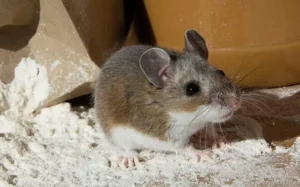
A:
(184, 125)
(128, 139)
(180, 131)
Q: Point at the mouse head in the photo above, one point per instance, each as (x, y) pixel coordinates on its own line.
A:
(187, 83)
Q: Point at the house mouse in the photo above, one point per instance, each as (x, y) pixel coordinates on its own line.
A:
(155, 98)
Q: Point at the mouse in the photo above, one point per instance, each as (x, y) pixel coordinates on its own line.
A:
(156, 98)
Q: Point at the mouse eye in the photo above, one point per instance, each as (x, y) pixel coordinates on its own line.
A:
(221, 72)
(192, 88)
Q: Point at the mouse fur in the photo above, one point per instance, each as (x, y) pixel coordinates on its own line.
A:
(143, 95)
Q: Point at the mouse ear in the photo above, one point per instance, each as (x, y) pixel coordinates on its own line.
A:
(154, 63)
(195, 43)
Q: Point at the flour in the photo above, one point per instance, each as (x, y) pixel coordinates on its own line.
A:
(55, 64)
(27, 91)
(61, 147)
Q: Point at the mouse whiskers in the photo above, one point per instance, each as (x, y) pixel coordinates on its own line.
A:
(256, 97)
(214, 132)
(206, 126)
(241, 64)
(236, 126)
(222, 132)
(250, 72)
(196, 116)
(200, 145)
(254, 103)
(205, 136)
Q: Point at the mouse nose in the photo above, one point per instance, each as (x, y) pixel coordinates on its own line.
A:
(234, 103)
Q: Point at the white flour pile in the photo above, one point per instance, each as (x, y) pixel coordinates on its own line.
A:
(60, 147)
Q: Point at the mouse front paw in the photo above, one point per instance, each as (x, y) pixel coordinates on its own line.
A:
(128, 159)
(218, 141)
(209, 139)
(197, 155)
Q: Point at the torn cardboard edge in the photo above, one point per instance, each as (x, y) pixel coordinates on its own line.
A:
(67, 37)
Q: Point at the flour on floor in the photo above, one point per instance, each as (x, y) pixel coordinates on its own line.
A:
(61, 147)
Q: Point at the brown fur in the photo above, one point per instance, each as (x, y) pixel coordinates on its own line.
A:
(122, 107)
(193, 105)
(119, 102)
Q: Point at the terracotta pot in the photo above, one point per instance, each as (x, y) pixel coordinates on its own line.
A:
(259, 39)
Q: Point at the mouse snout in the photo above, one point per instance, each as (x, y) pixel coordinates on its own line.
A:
(227, 99)
(233, 102)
